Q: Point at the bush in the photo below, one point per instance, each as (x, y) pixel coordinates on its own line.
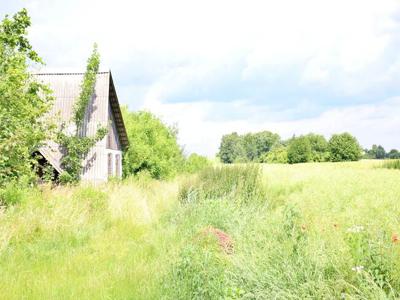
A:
(66, 178)
(196, 163)
(344, 147)
(13, 193)
(299, 150)
(238, 183)
(393, 164)
(153, 146)
(277, 155)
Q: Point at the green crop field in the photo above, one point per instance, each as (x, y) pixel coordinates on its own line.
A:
(317, 230)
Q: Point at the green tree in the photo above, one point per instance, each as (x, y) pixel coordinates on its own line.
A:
(153, 146)
(344, 147)
(264, 141)
(231, 148)
(299, 150)
(277, 155)
(380, 152)
(23, 101)
(393, 154)
(77, 145)
(195, 163)
(319, 147)
(247, 147)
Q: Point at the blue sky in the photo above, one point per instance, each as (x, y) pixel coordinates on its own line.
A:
(212, 67)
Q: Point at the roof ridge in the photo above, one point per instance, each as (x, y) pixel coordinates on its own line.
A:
(67, 73)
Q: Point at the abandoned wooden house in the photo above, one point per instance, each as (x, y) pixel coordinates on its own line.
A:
(104, 160)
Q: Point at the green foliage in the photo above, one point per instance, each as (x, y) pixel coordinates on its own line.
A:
(23, 101)
(393, 154)
(299, 150)
(246, 148)
(87, 87)
(231, 148)
(77, 145)
(239, 183)
(12, 193)
(153, 146)
(195, 163)
(392, 164)
(380, 152)
(277, 155)
(344, 147)
(65, 178)
(200, 273)
(75, 148)
(376, 152)
(319, 147)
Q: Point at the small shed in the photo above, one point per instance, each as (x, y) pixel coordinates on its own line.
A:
(104, 160)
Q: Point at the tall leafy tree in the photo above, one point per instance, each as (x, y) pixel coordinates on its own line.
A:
(319, 147)
(231, 148)
(23, 101)
(153, 146)
(380, 152)
(299, 150)
(344, 147)
(393, 154)
(263, 143)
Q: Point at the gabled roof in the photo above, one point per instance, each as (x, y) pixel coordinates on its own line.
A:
(66, 89)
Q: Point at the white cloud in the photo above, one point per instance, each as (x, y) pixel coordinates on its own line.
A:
(371, 124)
(348, 48)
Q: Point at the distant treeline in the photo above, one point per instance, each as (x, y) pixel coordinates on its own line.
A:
(378, 152)
(268, 147)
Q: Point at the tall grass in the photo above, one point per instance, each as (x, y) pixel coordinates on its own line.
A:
(392, 164)
(241, 183)
(319, 231)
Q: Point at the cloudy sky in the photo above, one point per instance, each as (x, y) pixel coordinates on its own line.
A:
(213, 66)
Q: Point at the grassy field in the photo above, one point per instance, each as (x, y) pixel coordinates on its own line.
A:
(318, 231)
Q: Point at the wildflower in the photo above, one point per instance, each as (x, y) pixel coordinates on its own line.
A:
(395, 238)
(357, 269)
(303, 227)
(355, 229)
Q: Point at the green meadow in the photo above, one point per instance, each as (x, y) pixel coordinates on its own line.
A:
(315, 230)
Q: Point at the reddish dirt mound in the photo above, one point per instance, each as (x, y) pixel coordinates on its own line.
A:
(224, 240)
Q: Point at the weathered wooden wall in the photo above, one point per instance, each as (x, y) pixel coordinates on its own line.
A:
(66, 88)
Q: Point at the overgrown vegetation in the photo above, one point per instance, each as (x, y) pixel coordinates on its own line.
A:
(268, 147)
(392, 164)
(344, 147)
(378, 152)
(23, 102)
(241, 183)
(77, 144)
(196, 163)
(154, 148)
(320, 232)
